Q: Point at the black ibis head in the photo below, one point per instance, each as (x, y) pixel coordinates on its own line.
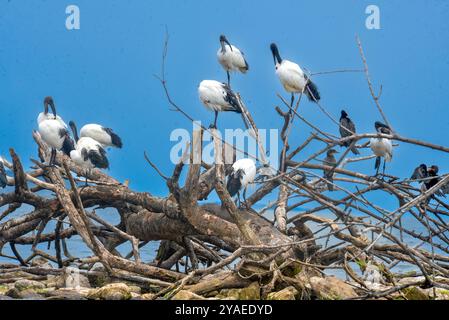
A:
(275, 51)
(48, 101)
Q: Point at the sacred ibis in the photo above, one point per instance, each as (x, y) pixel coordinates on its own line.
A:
(381, 147)
(347, 129)
(217, 96)
(105, 136)
(293, 78)
(242, 174)
(54, 131)
(331, 162)
(231, 58)
(88, 153)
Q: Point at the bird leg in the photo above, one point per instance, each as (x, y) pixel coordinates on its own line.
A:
(383, 172)
(377, 166)
(52, 158)
(238, 198)
(214, 126)
(229, 78)
(291, 104)
(244, 197)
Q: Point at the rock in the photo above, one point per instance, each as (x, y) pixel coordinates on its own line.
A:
(331, 288)
(113, 291)
(28, 284)
(41, 263)
(98, 266)
(135, 289)
(69, 279)
(441, 294)
(2, 297)
(187, 295)
(415, 293)
(252, 292)
(3, 289)
(135, 296)
(29, 294)
(288, 293)
(67, 294)
(147, 296)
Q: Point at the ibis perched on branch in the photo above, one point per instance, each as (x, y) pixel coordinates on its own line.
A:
(293, 78)
(218, 97)
(242, 174)
(53, 131)
(105, 136)
(347, 129)
(381, 147)
(231, 58)
(88, 153)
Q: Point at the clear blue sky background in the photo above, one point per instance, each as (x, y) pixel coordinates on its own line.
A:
(104, 72)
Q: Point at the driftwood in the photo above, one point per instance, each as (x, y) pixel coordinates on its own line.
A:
(222, 246)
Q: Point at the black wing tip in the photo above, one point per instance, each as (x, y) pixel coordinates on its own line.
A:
(355, 151)
(232, 99)
(116, 141)
(312, 91)
(68, 145)
(233, 186)
(98, 158)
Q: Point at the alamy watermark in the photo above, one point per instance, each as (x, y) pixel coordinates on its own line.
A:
(243, 141)
(372, 22)
(72, 22)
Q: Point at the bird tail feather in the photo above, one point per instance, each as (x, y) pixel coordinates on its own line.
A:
(355, 150)
(312, 91)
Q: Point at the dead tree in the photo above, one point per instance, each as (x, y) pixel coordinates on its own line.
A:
(222, 245)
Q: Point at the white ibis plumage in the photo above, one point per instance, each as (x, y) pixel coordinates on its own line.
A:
(218, 97)
(243, 173)
(231, 58)
(88, 153)
(381, 147)
(293, 78)
(54, 131)
(106, 136)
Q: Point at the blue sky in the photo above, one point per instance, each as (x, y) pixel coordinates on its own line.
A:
(103, 73)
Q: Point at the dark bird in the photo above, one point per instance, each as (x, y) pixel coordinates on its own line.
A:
(432, 172)
(419, 172)
(347, 129)
(332, 162)
(3, 178)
